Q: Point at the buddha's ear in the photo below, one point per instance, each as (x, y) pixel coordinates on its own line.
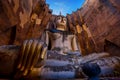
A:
(51, 25)
(67, 25)
(55, 19)
(54, 23)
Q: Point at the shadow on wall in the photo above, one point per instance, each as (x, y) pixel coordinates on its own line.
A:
(110, 47)
(12, 35)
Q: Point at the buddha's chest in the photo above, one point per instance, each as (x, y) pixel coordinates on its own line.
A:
(61, 37)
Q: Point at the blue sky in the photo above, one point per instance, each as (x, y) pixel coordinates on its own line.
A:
(64, 6)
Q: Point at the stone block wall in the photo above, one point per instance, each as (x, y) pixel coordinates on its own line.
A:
(22, 19)
(102, 17)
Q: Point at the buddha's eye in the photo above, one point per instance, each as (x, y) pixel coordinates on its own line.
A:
(64, 19)
(59, 18)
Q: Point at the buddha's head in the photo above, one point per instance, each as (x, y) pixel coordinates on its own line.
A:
(61, 22)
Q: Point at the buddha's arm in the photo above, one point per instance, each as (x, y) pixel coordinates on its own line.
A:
(74, 44)
(45, 37)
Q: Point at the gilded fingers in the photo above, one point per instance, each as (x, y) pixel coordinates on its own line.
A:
(43, 53)
(22, 53)
(31, 52)
(30, 56)
(26, 52)
(36, 55)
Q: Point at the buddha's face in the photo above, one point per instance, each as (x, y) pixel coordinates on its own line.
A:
(61, 23)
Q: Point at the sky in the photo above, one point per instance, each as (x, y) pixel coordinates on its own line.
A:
(64, 6)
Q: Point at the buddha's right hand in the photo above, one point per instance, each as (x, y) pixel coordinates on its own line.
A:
(31, 52)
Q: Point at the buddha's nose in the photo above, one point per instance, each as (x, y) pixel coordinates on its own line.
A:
(62, 20)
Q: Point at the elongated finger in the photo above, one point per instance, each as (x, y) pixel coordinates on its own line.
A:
(26, 52)
(30, 56)
(22, 53)
(44, 50)
(36, 55)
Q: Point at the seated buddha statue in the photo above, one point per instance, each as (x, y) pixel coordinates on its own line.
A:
(30, 59)
(59, 38)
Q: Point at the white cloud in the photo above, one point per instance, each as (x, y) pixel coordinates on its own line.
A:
(60, 7)
(59, 4)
